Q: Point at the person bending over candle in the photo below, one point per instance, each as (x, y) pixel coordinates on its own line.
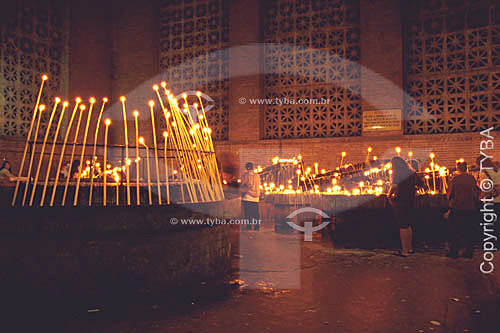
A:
(6, 173)
(401, 197)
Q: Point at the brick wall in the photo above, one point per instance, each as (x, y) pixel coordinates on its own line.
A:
(382, 88)
(447, 147)
(116, 52)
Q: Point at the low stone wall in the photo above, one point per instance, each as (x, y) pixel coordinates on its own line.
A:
(364, 221)
(96, 251)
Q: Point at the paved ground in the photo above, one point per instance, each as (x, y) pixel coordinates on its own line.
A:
(288, 285)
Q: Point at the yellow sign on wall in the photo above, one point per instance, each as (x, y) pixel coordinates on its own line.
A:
(382, 120)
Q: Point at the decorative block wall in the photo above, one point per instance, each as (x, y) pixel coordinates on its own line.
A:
(312, 51)
(193, 56)
(33, 43)
(453, 66)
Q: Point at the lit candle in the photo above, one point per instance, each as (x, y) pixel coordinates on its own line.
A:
(41, 109)
(342, 159)
(117, 182)
(431, 155)
(54, 188)
(107, 122)
(137, 158)
(369, 150)
(426, 177)
(65, 105)
(69, 175)
(92, 102)
(398, 150)
(94, 157)
(141, 141)
(151, 107)
(203, 118)
(42, 152)
(26, 145)
(165, 145)
(127, 163)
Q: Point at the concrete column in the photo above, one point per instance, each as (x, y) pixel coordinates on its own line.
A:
(90, 54)
(135, 65)
(381, 55)
(244, 70)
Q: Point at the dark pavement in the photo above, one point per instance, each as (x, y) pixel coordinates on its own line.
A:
(288, 285)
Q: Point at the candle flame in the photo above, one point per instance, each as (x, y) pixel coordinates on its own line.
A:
(123, 99)
(107, 121)
(45, 77)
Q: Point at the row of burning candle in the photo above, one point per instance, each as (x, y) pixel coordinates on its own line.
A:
(378, 177)
(190, 141)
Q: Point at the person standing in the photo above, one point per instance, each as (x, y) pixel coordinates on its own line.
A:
(401, 197)
(463, 194)
(250, 185)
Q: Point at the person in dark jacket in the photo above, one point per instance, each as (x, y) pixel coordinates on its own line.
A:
(401, 197)
(463, 194)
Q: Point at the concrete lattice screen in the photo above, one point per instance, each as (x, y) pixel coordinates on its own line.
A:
(312, 51)
(452, 58)
(34, 42)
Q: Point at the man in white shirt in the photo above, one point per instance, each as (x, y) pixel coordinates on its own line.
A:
(250, 185)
